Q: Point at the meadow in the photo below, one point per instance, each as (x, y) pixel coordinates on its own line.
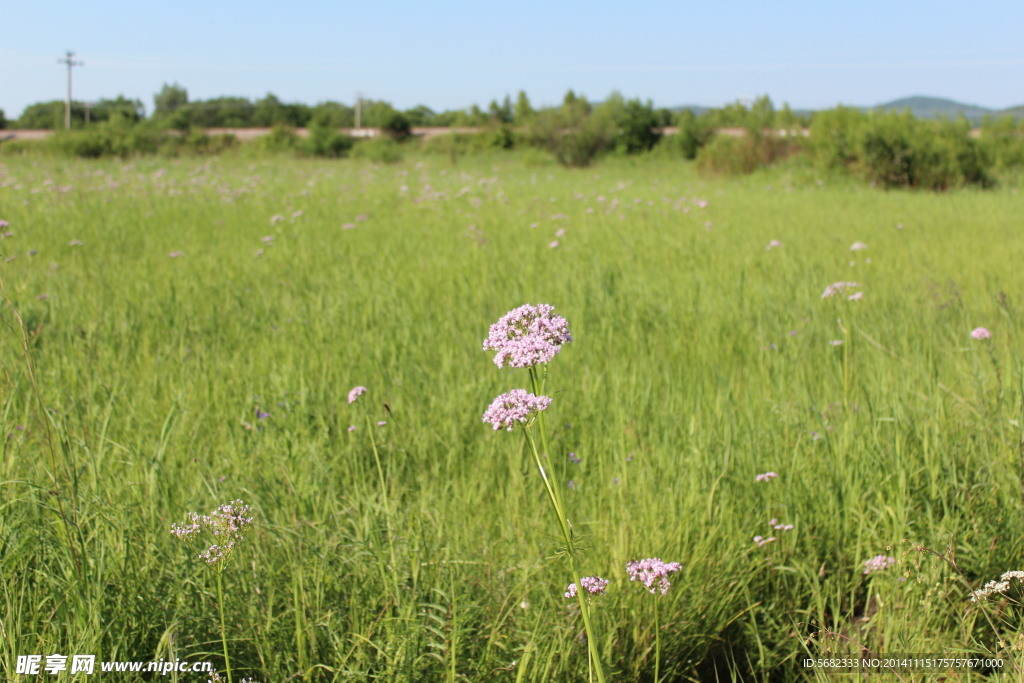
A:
(178, 334)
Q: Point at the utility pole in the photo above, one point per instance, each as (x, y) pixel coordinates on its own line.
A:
(67, 103)
(359, 107)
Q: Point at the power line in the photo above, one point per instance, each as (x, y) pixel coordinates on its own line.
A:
(67, 103)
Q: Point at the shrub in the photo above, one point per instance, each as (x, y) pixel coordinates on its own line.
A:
(325, 141)
(381, 150)
(279, 139)
(737, 155)
(396, 126)
(572, 133)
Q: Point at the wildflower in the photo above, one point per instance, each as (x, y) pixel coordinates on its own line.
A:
(381, 423)
(980, 333)
(43, 297)
(560, 232)
(351, 428)
(572, 484)
(276, 218)
(774, 244)
(858, 246)
(355, 393)
(857, 296)
(526, 336)
(348, 226)
(767, 476)
(75, 243)
(837, 287)
(4, 224)
(553, 245)
(515, 406)
(262, 414)
(878, 563)
(594, 585)
(573, 459)
(269, 239)
(175, 254)
(761, 540)
(651, 570)
(1000, 586)
(836, 342)
(227, 525)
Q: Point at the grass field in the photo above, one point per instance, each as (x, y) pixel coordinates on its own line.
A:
(194, 327)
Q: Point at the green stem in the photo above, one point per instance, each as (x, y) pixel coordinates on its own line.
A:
(563, 523)
(387, 506)
(657, 644)
(223, 628)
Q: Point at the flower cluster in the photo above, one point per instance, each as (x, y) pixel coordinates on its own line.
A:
(651, 570)
(1000, 586)
(527, 336)
(838, 288)
(355, 393)
(227, 526)
(980, 333)
(594, 585)
(779, 526)
(761, 540)
(515, 406)
(878, 563)
(767, 476)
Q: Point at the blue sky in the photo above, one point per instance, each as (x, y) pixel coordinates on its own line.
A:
(449, 55)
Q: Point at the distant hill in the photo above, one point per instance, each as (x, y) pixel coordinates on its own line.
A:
(937, 108)
(920, 106)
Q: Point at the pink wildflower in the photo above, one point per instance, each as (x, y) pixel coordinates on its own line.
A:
(858, 246)
(878, 563)
(594, 585)
(515, 406)
(356, 393)
(651, 570)
(980, 333)
(767, 476)
(837, 287)
(761, 540)
(526, 336)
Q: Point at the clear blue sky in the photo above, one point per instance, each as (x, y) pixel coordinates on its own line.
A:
(449, 55)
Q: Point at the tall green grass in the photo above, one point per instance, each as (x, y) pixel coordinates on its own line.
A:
(685, 380)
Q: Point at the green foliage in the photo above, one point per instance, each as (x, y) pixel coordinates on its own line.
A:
(3, 120)
(898, 150)
(692, 133)
(333, 115)
(169, 100)
(270, 111)
(1003, 141)
(420, 116)
(49, 116)
(383, 150)
(574, 135)
(636, 124)
(325, 141)
(742, 154)
(280, 139)
(396, 126)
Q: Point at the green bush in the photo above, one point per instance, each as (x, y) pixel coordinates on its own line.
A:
(326, 141)
(572, 133)
(692, 134)
(381, 150)
(738, 155)
(279, 139)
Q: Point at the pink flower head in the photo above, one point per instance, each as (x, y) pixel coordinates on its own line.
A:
(858, 246)
(837, 287)
(767, 476)
(515, 406)
(594, 585)
(761, 540)
(356, 393)
(856, 296)
(980, 333)
(526, 336)
(774, 244)
(878, 563)
(651, 570)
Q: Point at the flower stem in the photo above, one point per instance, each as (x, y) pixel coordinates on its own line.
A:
(387, 505)
(657, 644)
(223, 629)
(563, 523)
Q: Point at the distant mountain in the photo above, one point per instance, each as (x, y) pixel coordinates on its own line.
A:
(937, 108)
(920, 106)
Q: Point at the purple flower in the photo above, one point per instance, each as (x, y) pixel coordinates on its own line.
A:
(761, 540)
(767, 476)
(573, 459)
(526, 336)
(572, 484)
(980, 333)
(878, 563)
(381, 423)
(594, 585)
(856, 296)
(553, 245)
(262, 414)
(351, 428)
(355, 393)
(515, 406)
(651, 570)
(774, 244)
